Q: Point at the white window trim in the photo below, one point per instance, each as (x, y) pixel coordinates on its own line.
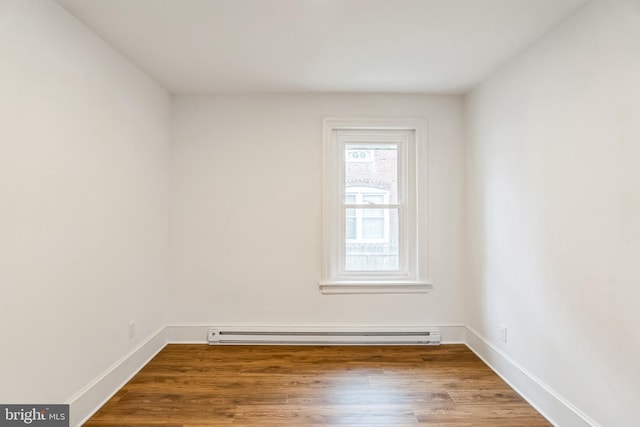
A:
(415, 277)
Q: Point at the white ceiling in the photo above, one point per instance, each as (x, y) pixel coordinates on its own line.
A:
(266, 46)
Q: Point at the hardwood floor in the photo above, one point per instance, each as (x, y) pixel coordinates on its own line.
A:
(201, 385)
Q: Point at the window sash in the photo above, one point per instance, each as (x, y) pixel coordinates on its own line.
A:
(368, 140)
(374, 253)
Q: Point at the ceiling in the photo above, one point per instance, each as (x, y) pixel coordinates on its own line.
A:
(295, 46)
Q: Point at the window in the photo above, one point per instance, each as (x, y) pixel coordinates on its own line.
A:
(374, 224)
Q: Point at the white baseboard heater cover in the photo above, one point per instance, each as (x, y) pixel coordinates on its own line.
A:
(217, 336)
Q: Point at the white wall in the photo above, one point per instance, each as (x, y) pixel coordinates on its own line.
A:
(553, 174)
(83, 204)
(246, 212)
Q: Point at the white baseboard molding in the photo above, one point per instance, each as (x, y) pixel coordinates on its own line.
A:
(87, 401)
(197, 333)
(559, 411)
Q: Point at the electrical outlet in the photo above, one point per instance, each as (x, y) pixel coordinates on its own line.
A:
(503, 333)
(132, 329)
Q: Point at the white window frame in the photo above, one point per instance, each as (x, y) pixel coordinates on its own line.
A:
(411, 136)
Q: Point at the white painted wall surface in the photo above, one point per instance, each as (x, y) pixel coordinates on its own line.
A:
(553, 174)
(246, 212)
(83, 204)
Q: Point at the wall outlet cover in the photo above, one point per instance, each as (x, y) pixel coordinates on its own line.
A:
(503, 333)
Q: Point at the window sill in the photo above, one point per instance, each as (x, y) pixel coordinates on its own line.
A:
(395, 287)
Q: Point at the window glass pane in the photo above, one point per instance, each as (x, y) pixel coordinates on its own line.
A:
(375, 246)
(372, 199)
(358, 155)
(373, 213)
(350, 199)
(380, 172)
(351, 227)
(373, 228)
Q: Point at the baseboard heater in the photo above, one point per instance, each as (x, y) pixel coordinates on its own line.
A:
(301, 337)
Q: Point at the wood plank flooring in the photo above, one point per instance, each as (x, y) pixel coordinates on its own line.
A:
(402, 386)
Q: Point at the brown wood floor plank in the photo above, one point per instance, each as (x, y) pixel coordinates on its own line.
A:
(366, 397)
(359, 386)
(326, 414)
(483, 396)
(480, 414)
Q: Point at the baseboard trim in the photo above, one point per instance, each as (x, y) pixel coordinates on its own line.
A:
(197, 333)
(90, 398)
(555, 408)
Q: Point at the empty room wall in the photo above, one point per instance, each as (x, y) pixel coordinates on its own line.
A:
(246, 212)
(84, 145)
(554, 211)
